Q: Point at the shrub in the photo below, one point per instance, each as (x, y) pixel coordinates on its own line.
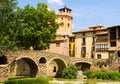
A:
(102, 75)
(70, 72)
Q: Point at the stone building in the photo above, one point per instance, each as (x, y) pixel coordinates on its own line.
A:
(101, 44)
(61, 43)
(114, 46)
(91, 43)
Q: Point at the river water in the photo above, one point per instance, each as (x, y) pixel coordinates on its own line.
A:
(82, 81)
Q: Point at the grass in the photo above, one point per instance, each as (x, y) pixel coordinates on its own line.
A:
(26, 80)
(115, 76)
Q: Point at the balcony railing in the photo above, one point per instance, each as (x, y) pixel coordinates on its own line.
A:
(101, 49)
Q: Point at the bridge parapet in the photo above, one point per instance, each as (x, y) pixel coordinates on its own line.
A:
(85, 60)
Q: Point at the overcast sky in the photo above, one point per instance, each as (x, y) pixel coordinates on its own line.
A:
(85, 12)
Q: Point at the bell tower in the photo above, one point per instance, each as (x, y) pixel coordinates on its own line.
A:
(64, 18)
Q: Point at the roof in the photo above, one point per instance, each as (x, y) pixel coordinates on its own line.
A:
(65, 8)
(113, 26)
(82, 31)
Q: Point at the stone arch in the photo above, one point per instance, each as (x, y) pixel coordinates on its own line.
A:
(24, 67)
(3, 60)
(55, 67)
(84, 65)
(42, 60)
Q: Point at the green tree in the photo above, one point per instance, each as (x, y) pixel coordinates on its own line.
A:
(7, 33)
(38, 26)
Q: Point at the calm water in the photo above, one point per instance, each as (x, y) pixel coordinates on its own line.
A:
(82, 81)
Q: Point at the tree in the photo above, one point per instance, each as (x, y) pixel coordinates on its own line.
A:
(22, 28)
(7, 33)
(38, 26)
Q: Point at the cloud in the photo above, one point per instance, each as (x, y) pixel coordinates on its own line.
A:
(59, 2)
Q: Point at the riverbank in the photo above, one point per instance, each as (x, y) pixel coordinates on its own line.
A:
(39, 80)
(82, 81)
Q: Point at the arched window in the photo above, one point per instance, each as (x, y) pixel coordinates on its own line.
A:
(42, 60)
(54, 69)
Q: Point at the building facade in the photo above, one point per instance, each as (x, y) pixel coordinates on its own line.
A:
(101, 44)
(61, 43)
(114, 44)
(92, 43)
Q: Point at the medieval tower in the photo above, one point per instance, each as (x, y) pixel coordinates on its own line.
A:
(61, 43)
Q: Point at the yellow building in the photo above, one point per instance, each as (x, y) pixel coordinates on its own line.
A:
(89, 45)
(72, 46)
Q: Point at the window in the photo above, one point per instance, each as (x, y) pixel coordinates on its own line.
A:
(42, 60)
(83, 41)
(83, 51)
(118, 53)
(112, 33)
(101, 47)
(118, 32)
(68, 25)
(99, 56)
(83, 34)
(112, 44)
(62, 24)
(54, 69)
(92, 56)
(57, 44)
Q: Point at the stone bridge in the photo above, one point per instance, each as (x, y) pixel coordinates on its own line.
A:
(37, 63)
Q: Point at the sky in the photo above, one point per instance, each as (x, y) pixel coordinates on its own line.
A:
(85, 13)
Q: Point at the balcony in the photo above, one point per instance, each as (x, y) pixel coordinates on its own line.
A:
(101, 49)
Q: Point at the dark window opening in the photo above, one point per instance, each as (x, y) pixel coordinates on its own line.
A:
(68, 25)
(100, 66)
(57, 44)
(71, 39)
(112, 44)
(54, 70)
(112, 33)
(83, 56)
(105, 65)
(92, 56)
(118, 32)
(99, 56)
(83, 51)
(42, 60)
(83, 34)
(118, 53)
(3, 59)
(83, 41)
